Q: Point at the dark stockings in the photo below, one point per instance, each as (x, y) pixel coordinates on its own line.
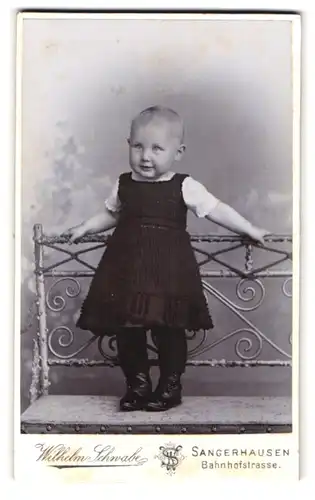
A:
(133, 357)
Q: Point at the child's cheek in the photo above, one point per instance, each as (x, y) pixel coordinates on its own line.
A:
(135, 156)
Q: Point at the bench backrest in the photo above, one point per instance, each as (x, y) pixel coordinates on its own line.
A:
(219, 260)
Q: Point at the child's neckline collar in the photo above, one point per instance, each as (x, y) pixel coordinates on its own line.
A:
(164, 177)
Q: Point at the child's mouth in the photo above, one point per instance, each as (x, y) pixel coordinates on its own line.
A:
(146, 167)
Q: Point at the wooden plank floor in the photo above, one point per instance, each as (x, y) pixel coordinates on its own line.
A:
(100, 414)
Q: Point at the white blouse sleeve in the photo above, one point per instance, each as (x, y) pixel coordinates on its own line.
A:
(197, 198)
(112, 203)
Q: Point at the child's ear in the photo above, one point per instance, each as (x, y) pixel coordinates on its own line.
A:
(128, 140)
(180, 152)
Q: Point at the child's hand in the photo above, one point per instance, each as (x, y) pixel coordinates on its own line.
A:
(74, 233)
(258, 234)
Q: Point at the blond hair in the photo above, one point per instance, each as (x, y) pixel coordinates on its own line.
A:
(161, 113)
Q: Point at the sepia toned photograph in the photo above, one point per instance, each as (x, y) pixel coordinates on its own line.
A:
(157, 195)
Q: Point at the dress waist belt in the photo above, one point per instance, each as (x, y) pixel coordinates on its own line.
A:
(153, 222)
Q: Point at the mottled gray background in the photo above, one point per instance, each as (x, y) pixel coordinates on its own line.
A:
(83, 81)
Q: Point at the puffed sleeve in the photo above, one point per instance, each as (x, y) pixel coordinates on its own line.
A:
(112, 203)
(197, 198)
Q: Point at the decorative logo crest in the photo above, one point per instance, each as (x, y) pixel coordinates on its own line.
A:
(171, 457)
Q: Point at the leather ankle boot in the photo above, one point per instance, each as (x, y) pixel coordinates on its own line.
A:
(167, 394)
(133, 358)
(139, 391)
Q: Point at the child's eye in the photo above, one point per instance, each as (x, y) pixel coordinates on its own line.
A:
(136, 146)
(157, 148)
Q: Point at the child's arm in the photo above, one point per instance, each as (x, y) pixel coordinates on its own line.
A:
(226, 216)
(101, 222)
(204, 204)
(96, 224)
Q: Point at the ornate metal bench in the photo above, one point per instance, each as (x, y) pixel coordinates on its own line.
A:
(54, 346)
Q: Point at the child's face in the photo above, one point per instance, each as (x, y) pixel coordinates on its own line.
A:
(153, 148)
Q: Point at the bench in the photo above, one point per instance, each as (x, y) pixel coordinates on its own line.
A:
(223, 259)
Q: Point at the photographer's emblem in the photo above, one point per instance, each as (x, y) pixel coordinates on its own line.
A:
(171, 457)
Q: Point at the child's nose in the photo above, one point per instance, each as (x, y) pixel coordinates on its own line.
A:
(145, 154)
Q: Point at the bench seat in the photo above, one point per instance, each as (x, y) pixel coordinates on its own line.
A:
(56, 414)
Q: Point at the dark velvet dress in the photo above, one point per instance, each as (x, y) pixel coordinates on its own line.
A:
(148, 274)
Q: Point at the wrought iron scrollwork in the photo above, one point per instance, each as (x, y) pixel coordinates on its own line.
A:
(57, 303)
(250, 328)
(65, 340)
(287, 292)
(248, 293)
(242, 346)
(195, 349)
(112, 346)
(247, 343)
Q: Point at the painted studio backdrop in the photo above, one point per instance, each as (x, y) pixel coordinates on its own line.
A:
(83, 81)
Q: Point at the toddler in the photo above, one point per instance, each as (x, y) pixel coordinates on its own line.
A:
(148, 277)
